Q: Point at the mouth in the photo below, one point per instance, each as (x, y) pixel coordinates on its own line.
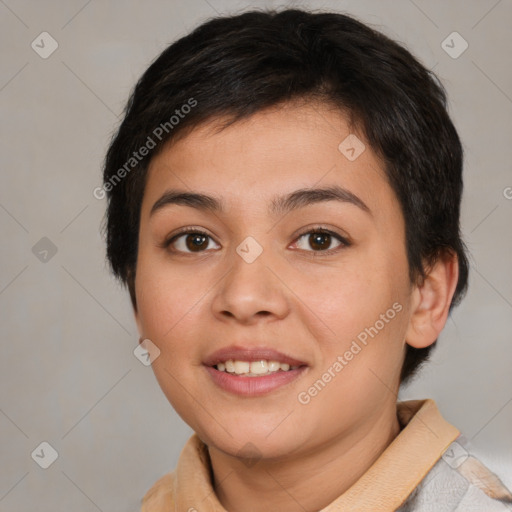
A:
(253, 368)
(252, 372)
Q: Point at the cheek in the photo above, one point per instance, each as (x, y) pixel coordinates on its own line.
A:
(350, 296)
(166, 299)
(169, 307)
(362, 301)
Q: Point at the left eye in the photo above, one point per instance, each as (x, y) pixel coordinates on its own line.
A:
(320, 240)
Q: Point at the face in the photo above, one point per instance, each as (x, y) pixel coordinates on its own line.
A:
(268, 269)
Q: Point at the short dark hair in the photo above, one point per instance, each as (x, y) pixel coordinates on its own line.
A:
(232, 67)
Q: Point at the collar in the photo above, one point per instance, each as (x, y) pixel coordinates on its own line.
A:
(387, 483)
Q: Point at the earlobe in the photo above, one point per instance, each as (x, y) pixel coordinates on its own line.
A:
(131, 288)
(431, 302)
(136, 316)
(137, 321)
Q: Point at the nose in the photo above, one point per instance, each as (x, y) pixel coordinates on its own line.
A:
(251, 292)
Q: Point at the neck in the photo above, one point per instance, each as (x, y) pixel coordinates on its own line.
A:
(307, 481)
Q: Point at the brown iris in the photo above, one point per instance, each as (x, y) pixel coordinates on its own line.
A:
(196, 241)
(320, 241)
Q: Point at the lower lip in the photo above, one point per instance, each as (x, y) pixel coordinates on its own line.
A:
(253, 386)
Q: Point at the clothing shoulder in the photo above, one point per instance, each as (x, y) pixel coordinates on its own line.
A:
(459, 482)
(159, 498)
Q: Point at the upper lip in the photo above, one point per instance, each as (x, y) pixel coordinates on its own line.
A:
(239, 353)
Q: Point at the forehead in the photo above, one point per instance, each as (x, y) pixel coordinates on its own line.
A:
(274, 151)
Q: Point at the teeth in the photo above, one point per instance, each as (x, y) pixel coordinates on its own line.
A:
(273, 366)
(241, 367)
(253, 368)
(259, 367)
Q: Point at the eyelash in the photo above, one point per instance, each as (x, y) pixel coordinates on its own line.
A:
(194, 231)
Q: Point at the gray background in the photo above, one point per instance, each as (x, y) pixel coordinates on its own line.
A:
(69, 375)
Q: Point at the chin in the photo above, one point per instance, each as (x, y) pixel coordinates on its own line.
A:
(253, 444)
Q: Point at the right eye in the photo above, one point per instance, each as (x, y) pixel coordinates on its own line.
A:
(192, 241)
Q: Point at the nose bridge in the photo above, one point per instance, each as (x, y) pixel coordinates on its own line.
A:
(250, 288)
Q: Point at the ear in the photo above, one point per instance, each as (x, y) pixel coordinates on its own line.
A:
(431, 301)
(138, 322)
(130, 281)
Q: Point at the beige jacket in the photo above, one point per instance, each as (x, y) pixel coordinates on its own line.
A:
(426, 468)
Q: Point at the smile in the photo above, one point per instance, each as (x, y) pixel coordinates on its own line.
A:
(252, 371)
(253, 368)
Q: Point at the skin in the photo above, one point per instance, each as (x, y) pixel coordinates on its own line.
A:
(305, 301)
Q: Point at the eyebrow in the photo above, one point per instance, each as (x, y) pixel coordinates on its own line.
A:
(278, 205)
